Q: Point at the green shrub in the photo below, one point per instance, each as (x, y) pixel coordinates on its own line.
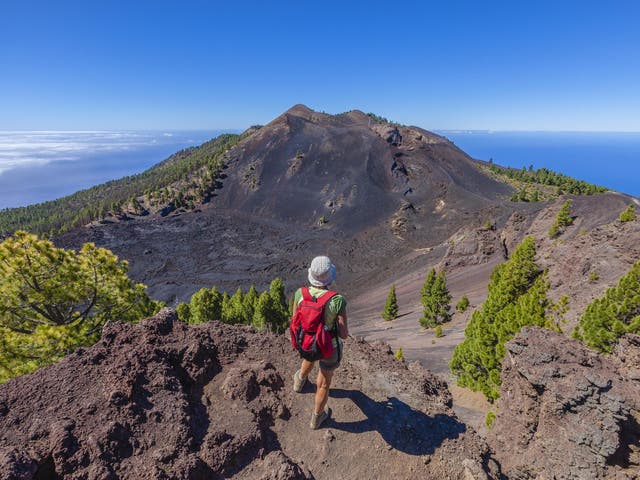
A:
(183, 311)
(462, 304)
(268, 309)
(606, 319)
(438, 331)
(490, 419)
(629, 214)
(399, 355)
(205, 305)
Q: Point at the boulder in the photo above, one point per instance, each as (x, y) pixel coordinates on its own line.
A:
(566, 412)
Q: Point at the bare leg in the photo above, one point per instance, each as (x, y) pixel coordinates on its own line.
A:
(305, 368)
(322, 390)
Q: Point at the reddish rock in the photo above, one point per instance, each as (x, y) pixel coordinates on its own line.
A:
(165, 400)
(566, 412)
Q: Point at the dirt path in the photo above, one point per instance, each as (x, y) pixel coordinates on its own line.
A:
(381, 421)
(422, 345)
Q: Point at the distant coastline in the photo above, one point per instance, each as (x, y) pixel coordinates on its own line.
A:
(610, 159)
(37, 166)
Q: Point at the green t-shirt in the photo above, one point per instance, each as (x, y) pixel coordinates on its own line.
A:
(332, 309)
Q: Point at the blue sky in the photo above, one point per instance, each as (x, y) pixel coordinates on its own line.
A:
(540, 65)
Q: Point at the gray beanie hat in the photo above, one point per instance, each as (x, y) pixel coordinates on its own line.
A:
(321, 272)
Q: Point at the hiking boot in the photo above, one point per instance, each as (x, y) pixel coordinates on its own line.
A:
(318, 418)
(298, 382)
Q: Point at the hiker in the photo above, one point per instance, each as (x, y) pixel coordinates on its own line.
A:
(327, 344)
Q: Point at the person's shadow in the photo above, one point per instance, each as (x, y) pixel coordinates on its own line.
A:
(403, 428)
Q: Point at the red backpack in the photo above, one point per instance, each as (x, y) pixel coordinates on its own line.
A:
(308, 332)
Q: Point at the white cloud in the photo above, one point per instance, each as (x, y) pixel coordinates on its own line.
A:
(23, 148)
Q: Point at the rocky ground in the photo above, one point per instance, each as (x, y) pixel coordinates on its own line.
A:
(162, 399)
(589, 257)
(566, 412)
(165, 400)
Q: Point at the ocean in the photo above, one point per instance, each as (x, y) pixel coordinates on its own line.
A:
(40, 166)
(610, 159)
(45, 165)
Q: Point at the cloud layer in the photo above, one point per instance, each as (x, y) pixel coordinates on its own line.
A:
(19, 149)
(42, 165)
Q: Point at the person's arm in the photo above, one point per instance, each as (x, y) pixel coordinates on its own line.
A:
(343, 327)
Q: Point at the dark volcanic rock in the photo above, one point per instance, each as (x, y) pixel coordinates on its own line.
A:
(162, 399)
(566, 412)
(135, 406)
(627, 354)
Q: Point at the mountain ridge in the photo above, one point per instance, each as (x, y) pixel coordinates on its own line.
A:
(180, 183)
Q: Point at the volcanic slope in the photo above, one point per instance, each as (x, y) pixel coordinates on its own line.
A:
(162, 399)
(367, 193)
(352, 170)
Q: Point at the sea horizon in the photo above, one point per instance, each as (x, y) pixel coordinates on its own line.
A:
(41, 165)
(606, 158)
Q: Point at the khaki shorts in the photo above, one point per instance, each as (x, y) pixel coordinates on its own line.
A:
(329, 364)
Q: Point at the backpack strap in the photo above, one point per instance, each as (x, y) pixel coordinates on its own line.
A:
(321, 301)
(306, 296)
(325, 297)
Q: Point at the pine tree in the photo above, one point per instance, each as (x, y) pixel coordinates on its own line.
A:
(435, 300)
(262, 312)
(425, 291)
(205, 305)
(615, 314)
(535, 196)
(55, 300)
(442, 298)
(425, 297)
(225, 304)
(280, 310)
(517, 297)
(390, 311)
(250, 301)
(236, 310)
(563, 219)
(266, 314)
